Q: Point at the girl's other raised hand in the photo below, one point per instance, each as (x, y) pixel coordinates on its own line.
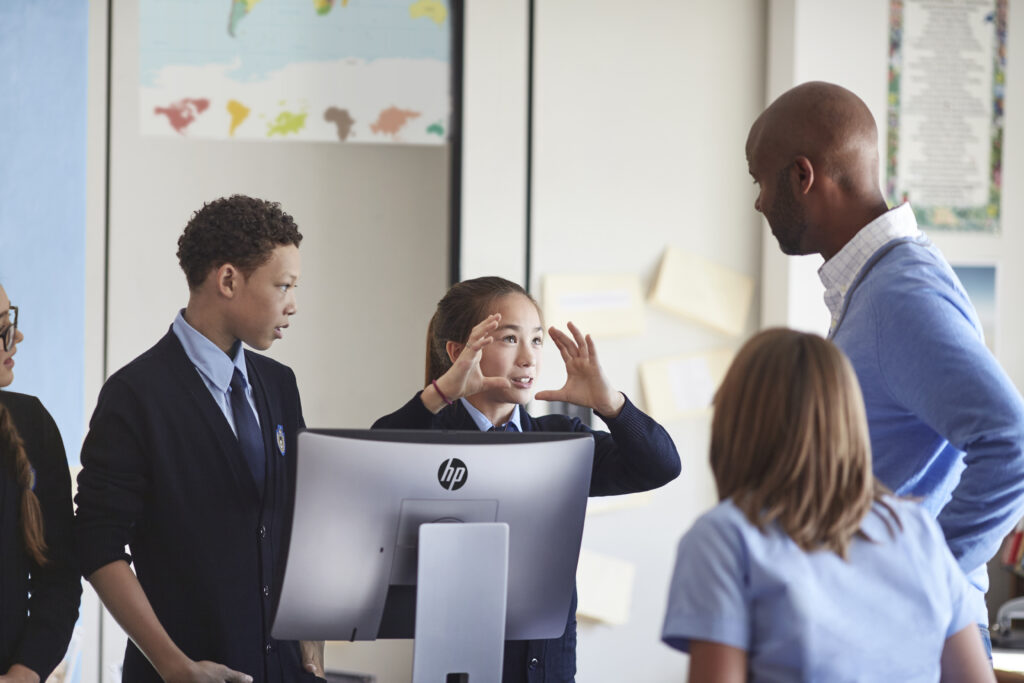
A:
(585, 383)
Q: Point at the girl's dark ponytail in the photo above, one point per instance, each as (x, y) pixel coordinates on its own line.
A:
(433, 368)
(12, 449)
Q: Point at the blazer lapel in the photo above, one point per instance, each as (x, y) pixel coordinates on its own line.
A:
(226, 441)
(526, 420)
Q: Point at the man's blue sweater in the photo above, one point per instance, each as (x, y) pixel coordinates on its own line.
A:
(947, 424)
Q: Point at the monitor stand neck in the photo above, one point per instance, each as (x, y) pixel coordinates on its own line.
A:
(461, 593)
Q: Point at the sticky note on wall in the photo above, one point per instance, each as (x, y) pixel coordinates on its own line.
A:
(603, 305)
(683, 386)
(705, 292)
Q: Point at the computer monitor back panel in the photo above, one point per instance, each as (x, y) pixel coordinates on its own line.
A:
(361, 496)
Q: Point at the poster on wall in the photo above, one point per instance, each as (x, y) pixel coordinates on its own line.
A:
(980, 283)
(306, 70)
(947, 75)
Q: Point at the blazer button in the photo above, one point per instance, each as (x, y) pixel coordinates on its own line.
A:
(262, 531)
(533, 663)
(269, 648)
(266, 591)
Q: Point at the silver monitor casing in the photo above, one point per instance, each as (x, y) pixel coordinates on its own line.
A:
(361, 496)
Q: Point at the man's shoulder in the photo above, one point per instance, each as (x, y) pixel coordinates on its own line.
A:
(905, 271)
(905, 261)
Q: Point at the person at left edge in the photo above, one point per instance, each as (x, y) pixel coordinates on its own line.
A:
(189, 461)
(39, 587)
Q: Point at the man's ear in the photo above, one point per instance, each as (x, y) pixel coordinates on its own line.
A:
(804, 174)
(227, 279)
(453, 349)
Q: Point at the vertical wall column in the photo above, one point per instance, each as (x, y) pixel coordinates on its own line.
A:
(494, 139)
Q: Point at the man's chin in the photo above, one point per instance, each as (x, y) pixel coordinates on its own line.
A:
(790, 249)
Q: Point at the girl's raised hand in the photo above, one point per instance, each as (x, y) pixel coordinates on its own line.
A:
(464, 377)
(585, 384)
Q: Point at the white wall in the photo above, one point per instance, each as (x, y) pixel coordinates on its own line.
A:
(640, 119)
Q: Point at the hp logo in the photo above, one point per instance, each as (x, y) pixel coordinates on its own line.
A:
(452, 474)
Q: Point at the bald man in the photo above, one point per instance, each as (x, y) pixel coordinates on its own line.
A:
(947, 425)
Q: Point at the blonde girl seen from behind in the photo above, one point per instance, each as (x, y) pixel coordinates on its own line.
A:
(808, 569)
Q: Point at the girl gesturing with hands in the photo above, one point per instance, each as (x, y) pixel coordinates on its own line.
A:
(484, 352)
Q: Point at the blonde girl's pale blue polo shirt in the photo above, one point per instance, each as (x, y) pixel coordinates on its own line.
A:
(882, 615)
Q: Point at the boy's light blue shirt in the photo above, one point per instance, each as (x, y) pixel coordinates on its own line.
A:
(483, 423)
(882, 615)
(214, 366)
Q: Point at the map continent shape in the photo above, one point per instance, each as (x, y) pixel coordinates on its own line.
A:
(287, 122)
(392, 120)
(341, 119)
(238, 112)
(432, 9)
(182, 113)
(239, 8)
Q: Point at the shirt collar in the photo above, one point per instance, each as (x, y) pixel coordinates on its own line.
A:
(840, 271)
(482, 423)
(212, 363)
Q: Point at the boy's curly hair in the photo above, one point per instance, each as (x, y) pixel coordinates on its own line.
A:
(239, 230)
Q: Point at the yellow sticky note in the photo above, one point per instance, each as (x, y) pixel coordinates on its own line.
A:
(683, 386)
(700, 290)
(603, 305)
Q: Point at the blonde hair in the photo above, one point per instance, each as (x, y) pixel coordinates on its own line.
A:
(15, 459)
(789, 440)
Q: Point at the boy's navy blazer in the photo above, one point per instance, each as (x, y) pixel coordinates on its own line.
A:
(164, 473)
(638, 455)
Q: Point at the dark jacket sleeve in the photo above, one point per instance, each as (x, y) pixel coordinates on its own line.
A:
(113, 481)
(412, 415)
(637, 454)
(56, 587)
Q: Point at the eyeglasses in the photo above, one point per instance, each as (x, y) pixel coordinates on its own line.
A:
(8, 332)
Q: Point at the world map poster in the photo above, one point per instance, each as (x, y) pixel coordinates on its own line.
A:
(353, 71)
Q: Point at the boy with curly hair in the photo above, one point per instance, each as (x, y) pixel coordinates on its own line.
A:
(189, 462)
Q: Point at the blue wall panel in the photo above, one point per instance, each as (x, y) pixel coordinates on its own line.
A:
(43, 55)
